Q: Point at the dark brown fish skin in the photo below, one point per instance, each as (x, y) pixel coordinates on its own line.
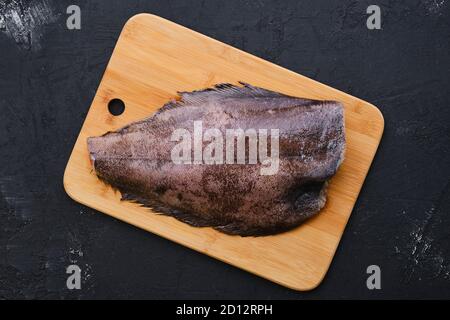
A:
(232, 198)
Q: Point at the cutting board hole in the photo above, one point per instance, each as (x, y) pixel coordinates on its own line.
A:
(116, 107)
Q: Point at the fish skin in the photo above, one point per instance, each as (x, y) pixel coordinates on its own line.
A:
(232, 198)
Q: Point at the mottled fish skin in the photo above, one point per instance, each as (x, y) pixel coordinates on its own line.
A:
(232, 198)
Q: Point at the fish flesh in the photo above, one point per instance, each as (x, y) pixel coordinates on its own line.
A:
(196, 158)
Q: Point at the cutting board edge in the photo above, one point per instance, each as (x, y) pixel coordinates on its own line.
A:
(139, 16)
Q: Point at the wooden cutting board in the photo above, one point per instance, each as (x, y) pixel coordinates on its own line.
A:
(153, 59)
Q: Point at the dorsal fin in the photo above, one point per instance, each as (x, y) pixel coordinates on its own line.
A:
(227, 90)
(219, 91)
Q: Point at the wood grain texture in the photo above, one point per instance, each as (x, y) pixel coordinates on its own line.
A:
(153, 59)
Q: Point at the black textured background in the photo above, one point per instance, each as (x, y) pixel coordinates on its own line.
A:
(400, 222)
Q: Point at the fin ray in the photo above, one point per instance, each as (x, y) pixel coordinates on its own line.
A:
(162, 209)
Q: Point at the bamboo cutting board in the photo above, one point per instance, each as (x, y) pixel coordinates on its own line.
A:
(153, 59)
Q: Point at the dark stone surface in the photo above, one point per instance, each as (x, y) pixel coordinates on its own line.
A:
(48, 77)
